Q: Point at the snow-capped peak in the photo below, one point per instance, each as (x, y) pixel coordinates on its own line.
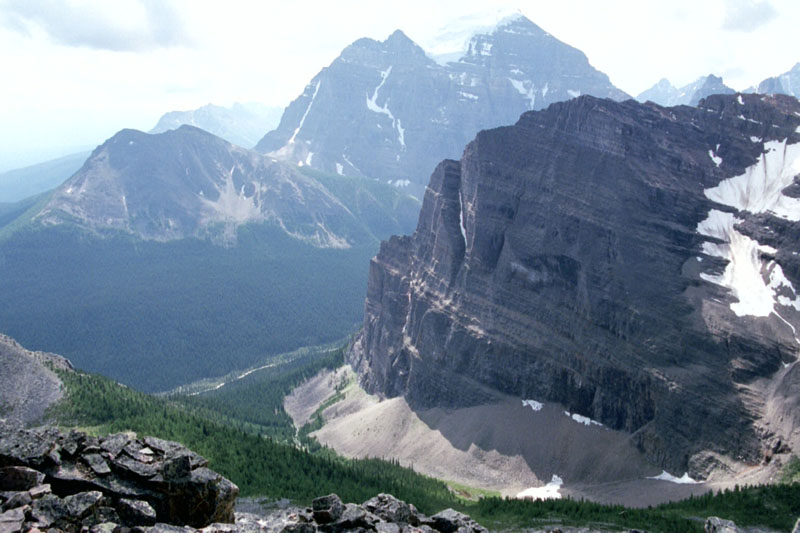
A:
(453, 39)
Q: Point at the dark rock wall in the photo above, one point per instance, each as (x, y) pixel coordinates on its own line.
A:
(573, 278)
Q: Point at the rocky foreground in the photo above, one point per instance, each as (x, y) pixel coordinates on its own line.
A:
(54, 481)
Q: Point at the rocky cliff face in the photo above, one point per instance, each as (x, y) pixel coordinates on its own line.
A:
(633, 263)
(386, 110)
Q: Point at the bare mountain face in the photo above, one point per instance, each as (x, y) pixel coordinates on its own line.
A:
(663, 92)
(386, 110)
(189, 183)
(633, 264)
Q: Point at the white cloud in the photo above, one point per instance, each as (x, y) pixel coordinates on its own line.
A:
(747, 15)
(123, 25)
(79, 70)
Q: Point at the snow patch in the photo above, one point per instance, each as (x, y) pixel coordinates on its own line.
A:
(529, 93)
(760, 188)
(716, 159)
(757, 284)
(684, 480)
(303, 119)
(585, 420)
(463, 227)
(468, 95)
(347, 160)
(573, 94)
(309, 157)
(739, 99)
(544, 90)
(372, 105)
(547, 492)
(533, 404)
(339, 169)
(755, 139)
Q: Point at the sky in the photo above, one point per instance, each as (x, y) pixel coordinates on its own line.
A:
(77, 71)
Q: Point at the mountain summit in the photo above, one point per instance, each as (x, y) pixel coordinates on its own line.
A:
(190, 183)
(387, 110)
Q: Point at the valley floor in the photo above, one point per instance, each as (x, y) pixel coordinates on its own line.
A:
(507, 447)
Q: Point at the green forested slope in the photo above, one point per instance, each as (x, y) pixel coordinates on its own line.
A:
(262, 466)
(156, 315)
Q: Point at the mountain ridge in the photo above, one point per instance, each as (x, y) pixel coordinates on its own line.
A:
(665, 94)
(189, 183)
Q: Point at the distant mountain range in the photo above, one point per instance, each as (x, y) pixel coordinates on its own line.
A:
(664, 93)
(386, 110)
(240, 124)
(786, 83)
(35, 179)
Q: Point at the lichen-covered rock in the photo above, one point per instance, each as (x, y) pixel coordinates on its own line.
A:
(719, 525)
(450, 521)
(119, 477)
(11, 521)
(382, 514)
(15, 478)
(327, 509)
(136, 512)
(390, 509)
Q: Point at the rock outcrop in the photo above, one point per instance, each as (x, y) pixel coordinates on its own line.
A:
(384, 514)
(586, 256)
(68, 481)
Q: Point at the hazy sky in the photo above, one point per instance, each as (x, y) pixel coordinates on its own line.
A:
(77, 71)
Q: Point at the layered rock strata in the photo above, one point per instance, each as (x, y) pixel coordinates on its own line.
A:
(635, 264)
